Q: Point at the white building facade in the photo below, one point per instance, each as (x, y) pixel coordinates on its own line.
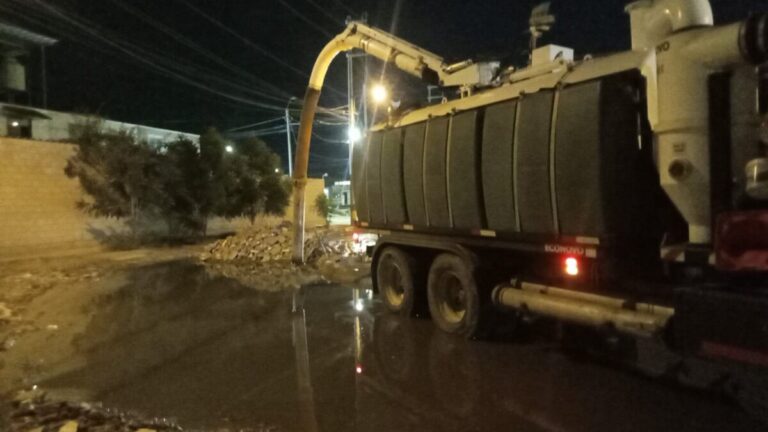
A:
(17, 121)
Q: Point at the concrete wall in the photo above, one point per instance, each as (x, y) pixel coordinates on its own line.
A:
(37, 203)
(314, 188)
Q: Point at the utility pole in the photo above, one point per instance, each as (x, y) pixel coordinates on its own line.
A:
(288, 134)
(365, 93)
(44, 77)
(353, 129)
(351, 107)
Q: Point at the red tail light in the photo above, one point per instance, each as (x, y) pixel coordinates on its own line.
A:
(571, 266)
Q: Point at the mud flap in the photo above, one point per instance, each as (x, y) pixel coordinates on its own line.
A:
(721, 325)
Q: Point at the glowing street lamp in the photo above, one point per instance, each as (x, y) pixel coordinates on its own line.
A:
(354, 134)
(379, 94)
(229, 149)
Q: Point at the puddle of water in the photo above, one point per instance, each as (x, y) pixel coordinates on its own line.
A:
(172, 341)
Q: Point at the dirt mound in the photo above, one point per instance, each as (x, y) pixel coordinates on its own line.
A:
(272, 276)
(273, 243)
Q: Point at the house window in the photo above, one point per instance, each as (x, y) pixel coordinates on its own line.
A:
(19, 128)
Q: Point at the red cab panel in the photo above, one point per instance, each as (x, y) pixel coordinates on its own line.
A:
(741, 241)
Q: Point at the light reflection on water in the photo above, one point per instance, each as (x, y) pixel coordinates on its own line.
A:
(174, 341)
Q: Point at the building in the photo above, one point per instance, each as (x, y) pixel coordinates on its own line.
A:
(17, 121)
(341, 201)
(19, 93)
(17, 46)
(340, 193)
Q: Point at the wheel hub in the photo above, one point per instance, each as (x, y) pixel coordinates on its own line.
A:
(393, 286)
(453, 301)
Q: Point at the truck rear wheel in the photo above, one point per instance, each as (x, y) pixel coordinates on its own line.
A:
(395, 280)
(454, 301)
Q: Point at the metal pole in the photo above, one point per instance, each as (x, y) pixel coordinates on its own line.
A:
(44, 77)
(351, 106)
(365, 95)
(303, 374)
(288, 135)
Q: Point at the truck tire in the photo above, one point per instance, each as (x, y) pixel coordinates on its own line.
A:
(454, 301)
(395, 280)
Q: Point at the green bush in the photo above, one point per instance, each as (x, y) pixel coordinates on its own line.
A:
(181, 182)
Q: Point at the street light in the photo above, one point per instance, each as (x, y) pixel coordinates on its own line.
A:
(379, 94)
(229, 149)
(354, 134)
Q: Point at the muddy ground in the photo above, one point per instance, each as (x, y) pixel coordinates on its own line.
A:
(158, 340)
(47, 306)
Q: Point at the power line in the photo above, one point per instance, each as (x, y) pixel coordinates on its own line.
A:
(328, 140)
(281, 128)
(59, 27)
(301, 16)
(244, 40)
(325, 12)
(327, 123)
(255, 46)
(189, 44)
(248, 126)
(160, 63)
(345, 7)
(275, 93)
(143, 56)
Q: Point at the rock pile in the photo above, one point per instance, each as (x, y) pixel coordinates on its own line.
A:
(272, 276)
(261, 244)
(268, 244)
(33, 411)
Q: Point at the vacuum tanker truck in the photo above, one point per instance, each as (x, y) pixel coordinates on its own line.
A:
(627, 193)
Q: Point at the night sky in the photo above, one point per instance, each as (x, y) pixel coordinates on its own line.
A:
(189, 64)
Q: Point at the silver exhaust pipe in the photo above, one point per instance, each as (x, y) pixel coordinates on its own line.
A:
(638, 319)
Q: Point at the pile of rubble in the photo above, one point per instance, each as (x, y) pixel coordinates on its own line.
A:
(32, 411)
(273, 243)
(272, 276)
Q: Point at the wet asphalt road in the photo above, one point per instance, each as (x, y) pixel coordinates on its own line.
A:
(171, 341)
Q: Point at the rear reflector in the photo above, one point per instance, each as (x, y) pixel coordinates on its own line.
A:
(741, 241)
(742, 355)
